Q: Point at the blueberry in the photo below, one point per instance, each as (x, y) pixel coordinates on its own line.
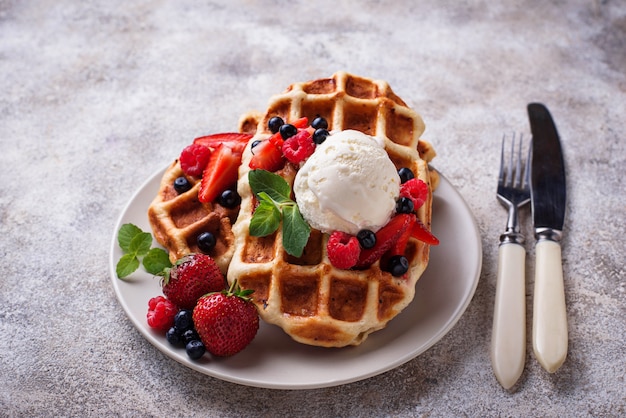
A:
(174, 337)
(195, 349)
(405, 174)
(398, 265)
(255, 143)
(404, 205)
(229, 199)
(320, 135)
(319, 123)
(367, 238)
(181, 185)
(183, 320)
(190, 335)
(275, 123)
(287, 130)
(206, 241)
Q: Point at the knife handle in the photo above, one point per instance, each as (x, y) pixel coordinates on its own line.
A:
(508, 337)
(549, 315)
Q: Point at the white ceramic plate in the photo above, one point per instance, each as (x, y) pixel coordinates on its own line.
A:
(273, 360)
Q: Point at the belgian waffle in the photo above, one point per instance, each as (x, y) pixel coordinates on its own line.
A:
(312, 301)
(178, 219)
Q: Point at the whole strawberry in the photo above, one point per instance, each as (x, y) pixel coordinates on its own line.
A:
(191, 277)
(226, 321)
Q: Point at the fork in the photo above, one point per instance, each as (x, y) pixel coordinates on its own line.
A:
(508, 339)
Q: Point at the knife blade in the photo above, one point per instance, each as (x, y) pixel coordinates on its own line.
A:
(548, 197)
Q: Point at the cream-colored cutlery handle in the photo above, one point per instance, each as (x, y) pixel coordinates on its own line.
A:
(549, 314)
(508, 338)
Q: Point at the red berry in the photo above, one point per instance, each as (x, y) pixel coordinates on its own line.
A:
(386, 238)
(267, 155)
(221, 172)
(191, 277)
(194, 159)
(161, 313)
(343, 250)
(299, 147)
(226, 321)
(416, 190)
(422, 233)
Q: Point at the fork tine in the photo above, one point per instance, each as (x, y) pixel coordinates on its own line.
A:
(511, 168)
(526, 184)
(518, 166)
(501, 173)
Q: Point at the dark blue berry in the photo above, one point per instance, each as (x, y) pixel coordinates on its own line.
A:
(320, 135)
(275, 123)
(183, 320)
(404, 205)
(405, 174)
(206, 241)
(398, 265)
(174, 337)
(195, 349)
(319, 123)
(190, 335)
(229, 199)
(287, 131)
(181, 185)
(255, 143)
(367, 238)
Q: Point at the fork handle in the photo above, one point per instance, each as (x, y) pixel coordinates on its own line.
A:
(549, 314)
(508, 338)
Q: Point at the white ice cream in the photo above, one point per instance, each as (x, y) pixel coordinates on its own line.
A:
(348, 184)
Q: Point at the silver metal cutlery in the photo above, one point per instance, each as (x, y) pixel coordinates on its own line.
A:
(546, 191)
(508, 340)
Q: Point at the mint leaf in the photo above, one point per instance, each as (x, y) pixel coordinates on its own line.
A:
(274, 185)
(140, 244)
(156, 261)
(295, 230)
(126, 235)
(265, 220)
(126, 265)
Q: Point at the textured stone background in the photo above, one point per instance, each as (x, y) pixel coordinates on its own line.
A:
(97, 96)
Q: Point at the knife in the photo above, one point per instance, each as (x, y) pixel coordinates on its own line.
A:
(548, 211)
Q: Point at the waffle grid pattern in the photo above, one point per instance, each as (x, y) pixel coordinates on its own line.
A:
(311, 300)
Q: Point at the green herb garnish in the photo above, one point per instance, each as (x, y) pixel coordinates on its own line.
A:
(137, 245)
(275, 204)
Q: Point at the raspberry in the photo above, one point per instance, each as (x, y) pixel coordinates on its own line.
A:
(416, 190)
(161, 313)
(299, 147)
(343, 250)
(194, 159)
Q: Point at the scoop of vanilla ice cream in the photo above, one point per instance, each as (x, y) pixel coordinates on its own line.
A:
(348, 184)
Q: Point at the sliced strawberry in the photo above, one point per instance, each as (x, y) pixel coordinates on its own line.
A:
(422, 233)
(236, 141)
(301, 123)
(400, 246)
(386, 238)
(221, 173)
(266, 157)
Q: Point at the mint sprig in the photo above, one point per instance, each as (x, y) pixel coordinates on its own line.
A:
(275, 204)
(137, 247)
